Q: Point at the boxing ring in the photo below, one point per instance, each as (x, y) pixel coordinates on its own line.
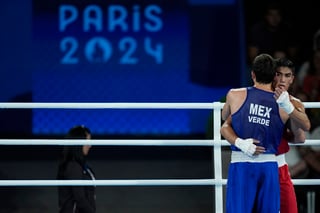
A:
(217, 182)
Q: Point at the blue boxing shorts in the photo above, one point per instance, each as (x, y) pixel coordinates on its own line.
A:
(253, 187)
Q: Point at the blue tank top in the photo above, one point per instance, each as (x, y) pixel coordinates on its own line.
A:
(259, 118)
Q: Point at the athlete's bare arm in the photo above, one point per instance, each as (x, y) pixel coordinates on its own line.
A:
(299, 117)
(299, 121)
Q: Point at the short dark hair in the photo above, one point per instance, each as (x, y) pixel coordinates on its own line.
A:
(284, 62)
(264, 68)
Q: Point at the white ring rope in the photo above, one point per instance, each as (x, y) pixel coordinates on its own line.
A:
(111, 105)
(123, 182)
(130, 142)
(141, 182)
(215, 105)
(216, 143)
(113, 142)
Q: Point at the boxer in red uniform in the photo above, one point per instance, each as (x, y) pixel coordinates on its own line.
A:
(295, 133)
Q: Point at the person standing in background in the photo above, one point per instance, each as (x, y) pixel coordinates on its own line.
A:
(73, 166)
(272, 35)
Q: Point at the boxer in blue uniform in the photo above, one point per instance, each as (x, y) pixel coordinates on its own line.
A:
(253, 179)
(294, 132)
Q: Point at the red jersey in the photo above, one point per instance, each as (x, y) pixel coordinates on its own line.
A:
(284, 146)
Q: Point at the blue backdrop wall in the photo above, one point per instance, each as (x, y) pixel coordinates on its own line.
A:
(118, 51)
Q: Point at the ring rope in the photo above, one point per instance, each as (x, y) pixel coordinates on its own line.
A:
(130, 182)
(130, 142)
(137, 182)
(112, 105)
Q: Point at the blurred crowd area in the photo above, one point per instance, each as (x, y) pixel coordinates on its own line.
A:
(287, 29)
(292, 30)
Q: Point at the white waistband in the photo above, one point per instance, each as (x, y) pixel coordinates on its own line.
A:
(281, 160)
(238, 156)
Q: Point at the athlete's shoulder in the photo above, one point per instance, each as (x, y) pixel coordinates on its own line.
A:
(297, 103)
(238, 90)
(292, 98)
(236, 95)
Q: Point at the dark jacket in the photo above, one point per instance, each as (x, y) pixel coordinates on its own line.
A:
(77, 199)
